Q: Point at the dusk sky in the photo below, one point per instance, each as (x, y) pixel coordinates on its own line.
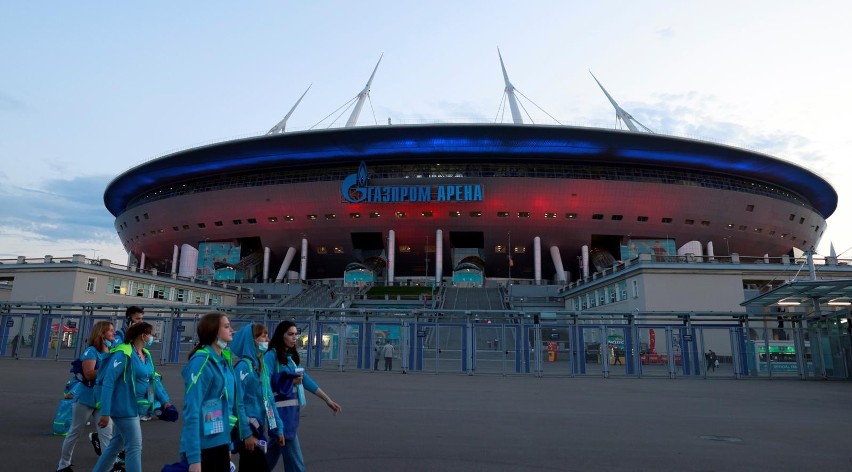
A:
(90, 89)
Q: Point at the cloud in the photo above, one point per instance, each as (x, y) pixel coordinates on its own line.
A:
(8, 103)
(665, 33)
(59, 216)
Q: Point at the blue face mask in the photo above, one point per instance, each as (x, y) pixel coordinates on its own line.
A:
(262, 347)
(108, 343)
(221, 344)
(149, 342)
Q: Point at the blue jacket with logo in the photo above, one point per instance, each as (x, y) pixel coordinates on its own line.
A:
(281, 378)
(148, 386)
(114, 387)
(258, 401)
(209, 380)
(82, 393)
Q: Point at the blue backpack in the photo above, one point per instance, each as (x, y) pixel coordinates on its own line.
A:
(62, 420)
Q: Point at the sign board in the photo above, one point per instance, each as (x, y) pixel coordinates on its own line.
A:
(687, 337)
(181, 328)
(10, 322)
(421, 333)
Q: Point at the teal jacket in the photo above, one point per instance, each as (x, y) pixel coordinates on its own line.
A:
(211, 389)
(258, 400)
(114, 387)
(148, 387)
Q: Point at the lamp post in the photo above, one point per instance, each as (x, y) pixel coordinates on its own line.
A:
(727, 246)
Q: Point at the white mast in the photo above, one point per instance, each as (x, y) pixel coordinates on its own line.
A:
(362, 97)
(279, 128)
(510, 91)
(620, 113)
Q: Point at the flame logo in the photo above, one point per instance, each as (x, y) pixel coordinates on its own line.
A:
(362, 174)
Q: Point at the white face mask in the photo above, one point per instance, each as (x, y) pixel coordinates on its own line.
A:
(221, 344)
(262, 347)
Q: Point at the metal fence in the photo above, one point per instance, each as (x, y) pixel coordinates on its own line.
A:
(669, 345)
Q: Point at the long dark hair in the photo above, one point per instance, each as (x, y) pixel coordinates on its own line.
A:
(208, 330)
(137, 330)
(277, 343)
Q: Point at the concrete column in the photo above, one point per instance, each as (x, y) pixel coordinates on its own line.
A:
(265, 265)
(303, 268)
(288, 259)
(537, 259)
(391, 254)
(142, 262)
(439, 256)
(710, 254)
(557, 263)
(585, 252)
(175, 253)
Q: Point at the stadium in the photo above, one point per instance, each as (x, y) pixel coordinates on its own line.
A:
(459, 202)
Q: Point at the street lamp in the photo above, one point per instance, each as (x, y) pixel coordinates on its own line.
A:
(728, 246)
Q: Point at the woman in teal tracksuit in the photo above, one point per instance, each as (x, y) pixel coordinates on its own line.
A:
(250, 343)
(115, 389)
(286, 376)
(150, 392)
(213, 400)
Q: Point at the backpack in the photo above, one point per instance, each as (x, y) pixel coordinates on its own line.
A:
(62, 419)
(77, 370)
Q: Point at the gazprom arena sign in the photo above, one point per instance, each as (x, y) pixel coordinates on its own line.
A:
(355, 190)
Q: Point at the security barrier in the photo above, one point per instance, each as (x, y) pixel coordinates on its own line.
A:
(485, 342)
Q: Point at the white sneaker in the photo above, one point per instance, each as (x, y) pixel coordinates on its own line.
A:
(145, 418)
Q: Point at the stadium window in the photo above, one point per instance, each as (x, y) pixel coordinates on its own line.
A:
(289, 217)
(202, 225)
(400, 214)
(153, 232)
(792, 217)
(502, 214)
(175, 228)
(523, 214)
(374, 214)
(312, 217)
(749, 207)
(237, 222)
(272, 219)
(783, 235)
(758, 230)
(705, 223)
(475, 214)
(816, 228)
(218, 223)
(772, 233)
(330, 216)
(500, 249)
(666, 220)
(454, 214)
(550, 215)
(742, 227)
(338, 250)
(405, 249)
(597, 216)
(354, 216)
(251, 221)
(161, 231)
(617, 217)
(426, 214)
(571, 216)
(642, 219)
(689, 222)
(322, 250)
(519, 249)
(145, 216)
(185, 227)
(137, 218)
(729, 226)
(802, 220)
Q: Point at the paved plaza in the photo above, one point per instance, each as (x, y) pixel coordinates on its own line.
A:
(428, 422)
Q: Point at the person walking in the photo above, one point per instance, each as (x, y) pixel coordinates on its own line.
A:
(387, 353)
(132, 315)
(289, 380)
(150, 392)
(212, 400)
(250, 344)
(100, 340)
(377, 351)
(117, 396)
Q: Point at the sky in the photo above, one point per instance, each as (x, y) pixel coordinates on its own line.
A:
(91, 89)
